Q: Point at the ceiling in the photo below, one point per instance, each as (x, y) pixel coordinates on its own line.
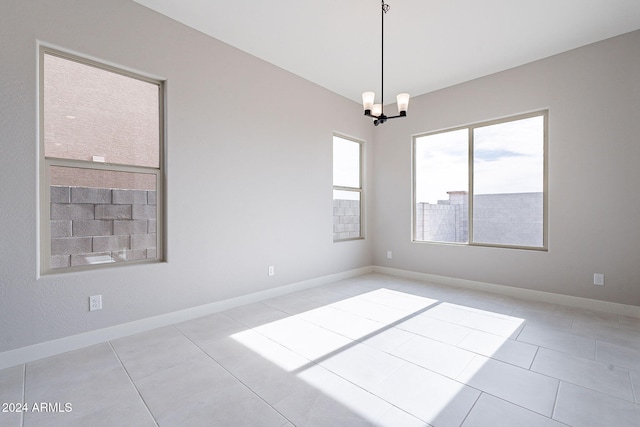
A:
(429, 44)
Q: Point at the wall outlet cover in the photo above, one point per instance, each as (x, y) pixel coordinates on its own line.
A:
(95, 302)
(598, 279)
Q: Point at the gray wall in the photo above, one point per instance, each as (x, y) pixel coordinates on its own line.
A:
(593, 96)
(231, 129)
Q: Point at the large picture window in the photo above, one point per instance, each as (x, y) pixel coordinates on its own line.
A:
(483, 184)
(347, 189)
(101, 164)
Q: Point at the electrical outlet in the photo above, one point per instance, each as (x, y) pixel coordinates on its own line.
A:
(95, 302)
(389, 255)
(272, 270)
(598, 279)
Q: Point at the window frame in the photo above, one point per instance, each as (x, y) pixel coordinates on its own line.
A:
(544, 113)
(46, 163)
(359, 190)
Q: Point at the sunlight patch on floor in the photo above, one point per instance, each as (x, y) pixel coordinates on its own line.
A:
(307, 344)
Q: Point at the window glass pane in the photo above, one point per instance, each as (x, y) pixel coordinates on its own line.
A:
(346, 215)
(99, 217)
(508, 181)
(441, 187)
(346, 163)
(90, 112)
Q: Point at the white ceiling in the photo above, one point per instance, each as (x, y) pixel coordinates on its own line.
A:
(429, 44)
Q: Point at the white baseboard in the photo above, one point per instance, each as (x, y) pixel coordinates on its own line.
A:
(568, 300)
(74, 342)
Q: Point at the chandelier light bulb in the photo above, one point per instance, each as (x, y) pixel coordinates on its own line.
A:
(403, 102)
(367, 100)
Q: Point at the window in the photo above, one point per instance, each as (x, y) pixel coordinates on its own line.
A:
(483, 184)
(347, 189)
(101, 166)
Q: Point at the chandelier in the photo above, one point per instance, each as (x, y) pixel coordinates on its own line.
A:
(376, 111)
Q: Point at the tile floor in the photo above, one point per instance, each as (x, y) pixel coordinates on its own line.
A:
(373, 350)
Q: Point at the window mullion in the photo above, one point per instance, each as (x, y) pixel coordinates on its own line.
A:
(470, 194)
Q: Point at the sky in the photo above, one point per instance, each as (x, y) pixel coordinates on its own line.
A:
(508, 158)
(346, 167)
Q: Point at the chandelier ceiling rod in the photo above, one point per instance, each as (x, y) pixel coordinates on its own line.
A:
(376, 111)
(385, 9)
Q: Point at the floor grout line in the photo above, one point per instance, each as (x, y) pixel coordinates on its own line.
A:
(133, 384)
(24, 391)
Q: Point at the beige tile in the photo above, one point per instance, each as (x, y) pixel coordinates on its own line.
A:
(494, 322)
(627, 322)
(11, 384)
(89, 390)
(617, 355)
(212, 327)
(591, 317)
(579, 406)
(132, 412)
(622, 336)
(544, 318)
(519, 386)
(270, 380)
(399, 300)
(342, 322)
(436, 329)
(11, 389)
(494, 412)
(163, 390)
(438, 357)
(306, 339)
(150, 352)
(71, 367)
(396, 417)
(428, 396)
(599, 376)
(635, 383)
(231, 405)
(500, 348)
(362, 365)
(558, 340)
(371, 310)
(293, 303)
(256, 314)
(388, 340)
(324, 398)
(486, 302)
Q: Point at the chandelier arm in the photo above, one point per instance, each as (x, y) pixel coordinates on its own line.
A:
(402, 114)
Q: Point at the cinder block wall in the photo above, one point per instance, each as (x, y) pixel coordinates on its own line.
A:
(498, 218)
(99, 225)
(346, 219)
